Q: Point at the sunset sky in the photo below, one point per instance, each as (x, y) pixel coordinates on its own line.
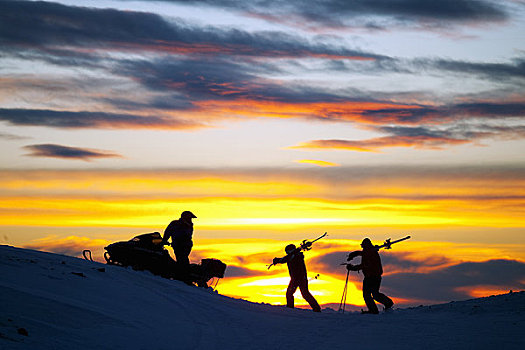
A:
(274, 122)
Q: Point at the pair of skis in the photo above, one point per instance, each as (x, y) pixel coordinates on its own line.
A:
(388, 244)
(305, 245)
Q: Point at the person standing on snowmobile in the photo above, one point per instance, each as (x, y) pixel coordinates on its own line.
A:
(181, 233)
(372, 269)
(298, 277)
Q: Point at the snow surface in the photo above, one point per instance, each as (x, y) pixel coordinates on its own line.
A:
(63, 302)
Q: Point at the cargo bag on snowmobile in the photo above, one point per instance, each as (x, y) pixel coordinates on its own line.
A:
(213, 267)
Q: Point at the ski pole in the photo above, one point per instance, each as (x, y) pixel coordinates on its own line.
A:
(342, 304)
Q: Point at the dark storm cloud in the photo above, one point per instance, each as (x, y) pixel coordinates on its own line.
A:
(502, 72)
(73, 120)
(431, 114)
(428, 137)
(454, 134)
(208, 62)
(492, 71)
(229, 79)
(32, 25)
(339, 13)
(222, 79)
(168, 102)
(200, 79)
(331, 262)
(432, 278)
(216, 64)
(405, 262)
(452, 283)
(66, 152)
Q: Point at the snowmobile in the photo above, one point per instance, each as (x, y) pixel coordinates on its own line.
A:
(146, 252)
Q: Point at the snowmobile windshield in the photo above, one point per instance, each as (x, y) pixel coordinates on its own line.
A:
(151, 240)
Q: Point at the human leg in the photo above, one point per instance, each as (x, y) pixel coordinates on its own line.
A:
(368, 287)
(303, 287)
(292, 287)
(380, 297)
(183, 263)
(182, 254)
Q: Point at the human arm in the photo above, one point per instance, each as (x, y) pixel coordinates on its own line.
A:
(168, 232)
(352, 255)
(282, 260)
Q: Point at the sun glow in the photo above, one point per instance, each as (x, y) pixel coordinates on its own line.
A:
(261, 214)
(284, 221)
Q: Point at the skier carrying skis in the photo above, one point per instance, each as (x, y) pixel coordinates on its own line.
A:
(372, 269)
(298, 277)
(181, 232)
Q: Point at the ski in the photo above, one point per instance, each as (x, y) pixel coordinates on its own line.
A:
(308, 245)
(388, 244)
(305, 245)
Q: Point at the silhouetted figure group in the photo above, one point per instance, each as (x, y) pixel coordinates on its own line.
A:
(181, 232)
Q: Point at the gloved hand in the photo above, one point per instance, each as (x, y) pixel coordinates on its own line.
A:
(276, 261)
(353, 255)
(351, 267)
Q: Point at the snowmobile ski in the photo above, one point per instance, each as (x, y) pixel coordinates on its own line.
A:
(86, 253)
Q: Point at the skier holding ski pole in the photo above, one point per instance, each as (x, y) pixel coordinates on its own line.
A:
(298, 276)
(372, 270)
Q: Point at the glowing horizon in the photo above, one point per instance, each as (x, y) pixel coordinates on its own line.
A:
(370, 121)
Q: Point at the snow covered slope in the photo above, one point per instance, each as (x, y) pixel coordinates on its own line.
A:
(50, 301)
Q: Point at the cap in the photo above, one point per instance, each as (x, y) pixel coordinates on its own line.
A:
(289, 248)
(187, 214)
(366, 243)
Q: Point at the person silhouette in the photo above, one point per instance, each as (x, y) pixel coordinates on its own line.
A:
(181, 232)
(298, 277)
(372, 270)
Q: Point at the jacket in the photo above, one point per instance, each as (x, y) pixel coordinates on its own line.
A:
(296, 265)
(181, 233)
(370, 262)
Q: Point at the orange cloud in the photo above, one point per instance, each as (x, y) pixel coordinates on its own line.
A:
(320, 163)
(374, 144)
(70, 245)
(336, 111)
